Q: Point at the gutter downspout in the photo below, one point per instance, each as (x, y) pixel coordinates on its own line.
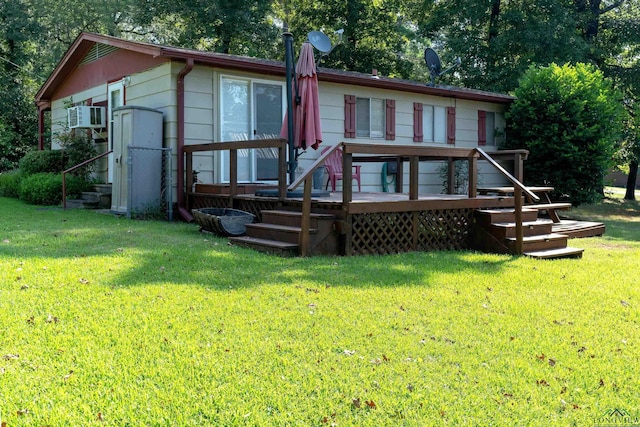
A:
(182, 210)
(42, 108)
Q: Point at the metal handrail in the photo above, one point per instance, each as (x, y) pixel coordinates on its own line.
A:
(71, 169)
(518, 189)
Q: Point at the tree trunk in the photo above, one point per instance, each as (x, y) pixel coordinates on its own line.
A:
(631, 181)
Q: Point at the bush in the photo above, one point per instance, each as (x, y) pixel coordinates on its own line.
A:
(46, 188)
(570, 119)
(77, 149)
(10, 184)
(44, 161)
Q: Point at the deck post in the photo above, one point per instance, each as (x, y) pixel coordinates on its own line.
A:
(347, 177)
(400, 176)
(282, 172)
(517, 194)
(518, 166)
(473, 175)
(233, 175)
(347, 197)
(189, 167)
(306, 218)
(414, 163)
(451, 176)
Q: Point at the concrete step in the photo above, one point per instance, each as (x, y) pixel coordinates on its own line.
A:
(82, 204)
(567, 252)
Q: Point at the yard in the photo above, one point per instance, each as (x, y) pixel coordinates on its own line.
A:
(107, 321)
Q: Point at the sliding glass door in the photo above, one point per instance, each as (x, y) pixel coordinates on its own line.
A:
(251, 109)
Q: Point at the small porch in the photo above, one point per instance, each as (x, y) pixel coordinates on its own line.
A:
(358, 223)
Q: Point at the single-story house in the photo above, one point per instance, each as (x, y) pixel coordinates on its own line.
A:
(207, 97)
(129, 95)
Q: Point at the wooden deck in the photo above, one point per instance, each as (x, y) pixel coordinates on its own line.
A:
(358, 223)
(577, 229)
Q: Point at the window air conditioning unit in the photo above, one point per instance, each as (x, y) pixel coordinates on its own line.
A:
(83, 116)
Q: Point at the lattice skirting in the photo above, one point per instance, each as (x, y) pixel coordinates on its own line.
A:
(395, 232)
(201, 202)
(256, 206)
(252, 206)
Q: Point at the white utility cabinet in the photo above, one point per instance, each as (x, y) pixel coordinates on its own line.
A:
(137, 164)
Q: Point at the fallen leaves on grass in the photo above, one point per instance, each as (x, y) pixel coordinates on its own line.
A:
(11, 357)
(84, 281)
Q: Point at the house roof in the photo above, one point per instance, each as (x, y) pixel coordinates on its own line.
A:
(86, 41)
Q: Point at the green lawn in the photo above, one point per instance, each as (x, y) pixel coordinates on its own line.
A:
(108, 321)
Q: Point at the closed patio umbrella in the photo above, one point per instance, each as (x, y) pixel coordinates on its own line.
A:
(307, 131)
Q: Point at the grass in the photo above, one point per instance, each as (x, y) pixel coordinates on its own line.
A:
(107, 321)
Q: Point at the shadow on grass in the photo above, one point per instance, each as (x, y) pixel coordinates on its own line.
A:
(621, 217)
(146, 252)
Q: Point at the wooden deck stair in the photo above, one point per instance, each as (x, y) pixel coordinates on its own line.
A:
(279, 233)
(495, 231)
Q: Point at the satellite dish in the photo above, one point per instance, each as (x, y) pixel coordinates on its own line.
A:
(435, 66)
(433, 62)
(320, 41)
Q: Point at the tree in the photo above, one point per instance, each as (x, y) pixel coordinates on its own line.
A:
(570, 119)
(499, 40)
(240, 27)
(617, 39)
(376, 32)
(629, 153)
(18, 122)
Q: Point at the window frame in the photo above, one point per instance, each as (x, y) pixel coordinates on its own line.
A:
(381, 116)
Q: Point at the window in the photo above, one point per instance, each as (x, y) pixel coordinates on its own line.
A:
(434, 124)
(370, 117)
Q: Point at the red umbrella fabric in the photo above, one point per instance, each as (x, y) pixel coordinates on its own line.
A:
(307, 131)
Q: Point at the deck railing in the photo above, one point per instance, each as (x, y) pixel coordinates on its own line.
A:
(71, 169)
(233, 147)
(413, 155)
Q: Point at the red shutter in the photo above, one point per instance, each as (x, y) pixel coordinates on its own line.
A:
(418, 133)
(482, 127)
(451, 125)
(391, 120)
(349, 116)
